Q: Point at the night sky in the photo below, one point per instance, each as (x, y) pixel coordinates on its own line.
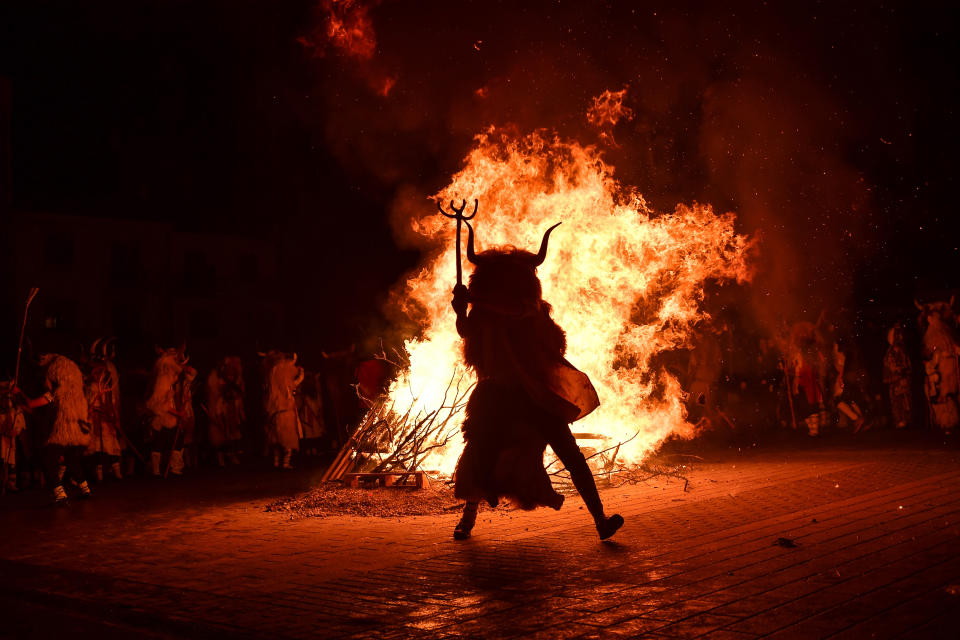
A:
(830, 130)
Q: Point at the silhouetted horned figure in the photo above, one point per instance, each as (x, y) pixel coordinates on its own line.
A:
(527, 394)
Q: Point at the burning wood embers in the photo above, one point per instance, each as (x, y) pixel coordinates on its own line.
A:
(387, 448)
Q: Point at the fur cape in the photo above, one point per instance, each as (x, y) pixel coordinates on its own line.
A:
(161, 402)
(64, 381)
(282, 427)
(526, 390)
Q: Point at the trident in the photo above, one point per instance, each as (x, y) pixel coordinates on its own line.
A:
(459, 217)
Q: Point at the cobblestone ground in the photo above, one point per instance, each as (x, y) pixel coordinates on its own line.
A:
(871, 549)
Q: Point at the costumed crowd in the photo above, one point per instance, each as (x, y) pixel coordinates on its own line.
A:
(78, 421)
(813, 377)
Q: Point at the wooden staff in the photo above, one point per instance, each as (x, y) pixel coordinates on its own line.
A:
(23, 328)
(16, 379)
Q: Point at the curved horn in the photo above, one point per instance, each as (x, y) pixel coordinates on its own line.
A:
(94, 346)
(471, 254)
(109, 351)
(917, 304)
(294, 357)
(184, 362)
(542, 255)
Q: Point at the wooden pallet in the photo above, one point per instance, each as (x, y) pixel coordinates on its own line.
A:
(386, 479)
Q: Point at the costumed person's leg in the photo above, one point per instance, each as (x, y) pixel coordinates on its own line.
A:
(97, 465)
(467, 519)
(563, 443)
(161, 443)
(51, 464)
(12, 477)
(73, 459)
(176, 454)
(234, 451)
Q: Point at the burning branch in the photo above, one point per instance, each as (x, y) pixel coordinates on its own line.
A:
(390, 441)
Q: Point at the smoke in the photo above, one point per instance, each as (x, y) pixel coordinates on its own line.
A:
(760, 111)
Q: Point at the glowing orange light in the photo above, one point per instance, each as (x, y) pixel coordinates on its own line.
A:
(625, 282)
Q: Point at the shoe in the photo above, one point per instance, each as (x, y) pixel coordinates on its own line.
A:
(176, 462)
(60, 496)
(467, 520)
(84, 490)
(609, 526)
(115, 470)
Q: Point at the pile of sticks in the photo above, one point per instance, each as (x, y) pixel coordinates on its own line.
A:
(390, 441)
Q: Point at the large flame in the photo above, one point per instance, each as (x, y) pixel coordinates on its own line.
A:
(625, 283)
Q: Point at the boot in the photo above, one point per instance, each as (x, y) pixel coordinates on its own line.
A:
(11, 479)
(813, 424)
(115, 469)
(276, 459)
(131, 465)
(176, 462)
(583, 480)
(155, 458)
(467, 519)
(98, 473)
(606, 527)
(59, 495)
(286, 459)
(62, 469)
(220, 461)
(84, 489)
(234, 458)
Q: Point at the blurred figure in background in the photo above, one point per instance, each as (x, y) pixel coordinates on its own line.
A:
(808, 368)
(310, 410)
(282, 425)
(12, 424)
(69, 434)
(225, 398)
(897, 371)
(940, 352)
(102, 388)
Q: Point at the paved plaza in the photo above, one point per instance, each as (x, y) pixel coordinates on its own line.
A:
(829, 541)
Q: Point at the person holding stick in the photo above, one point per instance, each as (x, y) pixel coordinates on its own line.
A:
(527, 394)
(70, 434)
